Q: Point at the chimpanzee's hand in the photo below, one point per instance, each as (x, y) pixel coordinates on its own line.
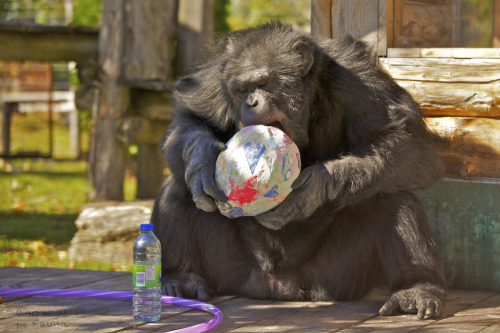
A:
(311, 189)
(426, 300)
(200, 157)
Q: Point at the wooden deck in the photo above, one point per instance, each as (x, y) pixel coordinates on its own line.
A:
(465, 311)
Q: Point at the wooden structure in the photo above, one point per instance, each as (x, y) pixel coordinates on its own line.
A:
(135, 49)
(125, 70)
(465, 311)
(432, 50)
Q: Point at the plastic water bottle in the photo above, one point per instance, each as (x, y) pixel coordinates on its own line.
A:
(146, 301)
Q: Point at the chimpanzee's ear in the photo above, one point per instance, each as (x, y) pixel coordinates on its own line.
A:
(306, 53)
(185, 84)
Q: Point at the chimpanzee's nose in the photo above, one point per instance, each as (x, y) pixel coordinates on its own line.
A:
(252, 100)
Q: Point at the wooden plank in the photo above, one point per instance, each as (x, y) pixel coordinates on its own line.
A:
(36, 42)
(442, 69)
(457, 99)
(45, 314)
(321, 22)
(48, 278)
(382, 33)
(359, 19)
(316, 317)
(401, 323)
(471, 146)
(390, 25)
(469, 311)
(496, 23)
(444, 52)
(242, 312)
(474, 319)
(442, 86)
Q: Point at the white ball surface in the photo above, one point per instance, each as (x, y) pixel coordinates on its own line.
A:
(256, 170)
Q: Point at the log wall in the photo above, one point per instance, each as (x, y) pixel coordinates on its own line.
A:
(459, 92)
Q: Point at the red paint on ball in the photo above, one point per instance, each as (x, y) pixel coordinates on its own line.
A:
(245, 193)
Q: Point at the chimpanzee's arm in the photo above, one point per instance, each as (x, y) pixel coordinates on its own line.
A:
(191, 150)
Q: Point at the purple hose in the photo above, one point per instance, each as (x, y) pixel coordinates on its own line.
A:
(125, 295)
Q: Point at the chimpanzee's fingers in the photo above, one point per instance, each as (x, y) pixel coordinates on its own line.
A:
(278, 217)
(202, 293)
(210, 188)
(389, 307)
(172, 288)
(302, 179)
(201, 200)
(220, 146)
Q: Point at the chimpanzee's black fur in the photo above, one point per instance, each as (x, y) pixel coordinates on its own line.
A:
(351, 221)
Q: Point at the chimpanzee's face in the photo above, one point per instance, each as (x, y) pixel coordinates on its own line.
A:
(268, 87)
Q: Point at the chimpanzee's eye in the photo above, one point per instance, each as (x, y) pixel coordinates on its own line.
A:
(262, 83)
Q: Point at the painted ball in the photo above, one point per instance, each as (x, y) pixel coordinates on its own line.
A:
(256, 171)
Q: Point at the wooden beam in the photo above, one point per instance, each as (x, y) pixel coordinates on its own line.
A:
(137, 129)
(390, 24)
(359, 19)
(194, 30)
(154, 105)
(321, 19)
(150, 166)
(470, 146)
(109, 155)
(36, 42)
(458, 53)
(382, 33)
(150, 31)
(458, 87)
(496, 23)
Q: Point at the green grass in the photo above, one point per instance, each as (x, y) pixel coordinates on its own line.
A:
(41, 201)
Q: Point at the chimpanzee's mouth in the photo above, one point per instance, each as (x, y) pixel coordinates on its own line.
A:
(276, 124)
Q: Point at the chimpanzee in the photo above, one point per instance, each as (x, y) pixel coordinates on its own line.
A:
(351, 221)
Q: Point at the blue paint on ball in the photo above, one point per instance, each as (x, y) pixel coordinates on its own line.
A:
(253, 152)
(273, 192)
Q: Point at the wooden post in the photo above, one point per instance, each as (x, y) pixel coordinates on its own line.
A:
(147, 70)
(360, 19)
(9, 109)
(496, 23)
(110, 154)
(321, 18)
(150, 30)
(195, 29)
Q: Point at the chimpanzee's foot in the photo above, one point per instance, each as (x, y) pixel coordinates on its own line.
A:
(185, 285)
(426, 300)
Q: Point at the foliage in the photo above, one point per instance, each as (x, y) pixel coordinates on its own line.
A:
(87, 12)
(39, 11)
(244, 14)
(220, 16)
(477, 20)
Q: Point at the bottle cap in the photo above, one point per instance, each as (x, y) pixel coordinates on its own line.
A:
(147, 227)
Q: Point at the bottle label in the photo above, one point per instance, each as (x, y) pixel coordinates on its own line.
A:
(146, 275)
